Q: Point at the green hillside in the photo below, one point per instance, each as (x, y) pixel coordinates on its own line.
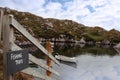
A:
(53, 28)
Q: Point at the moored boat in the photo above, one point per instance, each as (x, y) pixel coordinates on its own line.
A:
(66, 58)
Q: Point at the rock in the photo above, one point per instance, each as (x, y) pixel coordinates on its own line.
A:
(117, 46)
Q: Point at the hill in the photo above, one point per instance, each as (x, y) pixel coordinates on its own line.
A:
(50, 28)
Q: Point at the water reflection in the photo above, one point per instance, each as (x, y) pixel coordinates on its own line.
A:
(92, 68)
(74, 65)
(81, 49)
(118, 50)
(93, 62)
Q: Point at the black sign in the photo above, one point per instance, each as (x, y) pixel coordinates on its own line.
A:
(17, 61)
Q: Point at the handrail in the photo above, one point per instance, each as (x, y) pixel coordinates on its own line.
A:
(24, 32)
(35, 60)
(9, 24)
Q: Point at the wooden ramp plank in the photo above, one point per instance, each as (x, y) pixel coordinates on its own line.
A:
(38, 62)
(24, 32)
(34, 73)
(35, 60)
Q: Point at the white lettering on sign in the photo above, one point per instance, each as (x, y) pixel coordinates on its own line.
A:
(16, 61)
(17, 58)
(20, 61)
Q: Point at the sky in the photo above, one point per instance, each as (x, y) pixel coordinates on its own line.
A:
(103, 13)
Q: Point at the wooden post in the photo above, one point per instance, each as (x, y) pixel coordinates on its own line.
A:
(6, 45)
(49, 62)
(11, 41)
(1, 21)
(11, 35)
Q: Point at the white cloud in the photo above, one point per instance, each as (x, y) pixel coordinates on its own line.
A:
(51, 10)
(23, 5)
(104, 13)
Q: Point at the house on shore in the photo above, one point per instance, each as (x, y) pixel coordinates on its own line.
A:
(82, 41)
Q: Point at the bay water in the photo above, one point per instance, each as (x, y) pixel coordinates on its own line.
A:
(94, 62)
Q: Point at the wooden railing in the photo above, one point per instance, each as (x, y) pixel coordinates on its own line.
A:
(8, 23)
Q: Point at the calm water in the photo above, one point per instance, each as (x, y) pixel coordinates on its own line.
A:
(93, 63)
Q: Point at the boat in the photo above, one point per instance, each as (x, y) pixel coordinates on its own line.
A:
(71, 64)
(66, 58)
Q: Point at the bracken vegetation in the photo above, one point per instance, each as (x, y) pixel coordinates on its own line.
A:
(53, 28)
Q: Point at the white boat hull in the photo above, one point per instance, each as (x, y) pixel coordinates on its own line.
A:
(65, 58)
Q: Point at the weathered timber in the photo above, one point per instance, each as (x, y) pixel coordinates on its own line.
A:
(6, 45)
(32, 72)
(1, 21)
(36, 61)
(48, 60)
(24, 32)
